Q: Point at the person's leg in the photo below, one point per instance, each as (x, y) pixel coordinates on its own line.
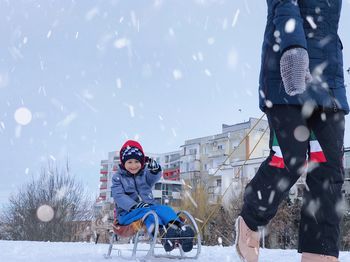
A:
(276, 175)
(165, 214)
(279, 172)
(132, 216)
(321, 213)
(135, 215)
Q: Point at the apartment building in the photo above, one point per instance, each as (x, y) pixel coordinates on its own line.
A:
(215, 161)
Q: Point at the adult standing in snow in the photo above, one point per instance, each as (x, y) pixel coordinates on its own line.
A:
(306, 119)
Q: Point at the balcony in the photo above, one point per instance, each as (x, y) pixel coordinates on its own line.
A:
(101, 198)
(171, 174)
(103, 186)
(190, 157)
(217, 153)
(104, 171)
(103, 179)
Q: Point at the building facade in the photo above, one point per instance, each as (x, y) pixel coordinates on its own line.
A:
(216, 161)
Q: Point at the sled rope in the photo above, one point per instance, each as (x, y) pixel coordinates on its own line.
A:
(238, 171)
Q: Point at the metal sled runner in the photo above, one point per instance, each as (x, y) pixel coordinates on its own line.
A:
(145, 246)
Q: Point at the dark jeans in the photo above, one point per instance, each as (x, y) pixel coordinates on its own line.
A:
(320, 219)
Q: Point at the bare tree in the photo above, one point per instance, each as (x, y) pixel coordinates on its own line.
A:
(221, 228)
(196, 201)
(216, 222)
(46, 208)
(345, 225)
(283, 228)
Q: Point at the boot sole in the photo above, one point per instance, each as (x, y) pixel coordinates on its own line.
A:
(187, 241)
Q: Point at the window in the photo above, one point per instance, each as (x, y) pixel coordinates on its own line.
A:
(158, 186)
(347, 159)
(220, 147)
(177, 188)
(218, 182)
(347, 173)
(193, 151)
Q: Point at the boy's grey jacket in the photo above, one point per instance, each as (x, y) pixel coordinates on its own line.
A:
(313, 25)
(128, 189)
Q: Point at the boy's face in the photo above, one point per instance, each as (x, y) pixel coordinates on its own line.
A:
(133, 166)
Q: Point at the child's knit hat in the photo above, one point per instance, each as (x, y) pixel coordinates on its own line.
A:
(131, 150)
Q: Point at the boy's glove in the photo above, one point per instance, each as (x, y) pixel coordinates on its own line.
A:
(140, 205)
(295, 71)
(153, 166)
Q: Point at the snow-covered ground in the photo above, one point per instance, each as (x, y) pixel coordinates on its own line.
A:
(13, 251)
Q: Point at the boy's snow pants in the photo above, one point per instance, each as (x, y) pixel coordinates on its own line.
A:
(165, 215)
(299, 144)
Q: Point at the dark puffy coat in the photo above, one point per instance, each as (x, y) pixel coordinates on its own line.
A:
(128, 189)
(316, 25)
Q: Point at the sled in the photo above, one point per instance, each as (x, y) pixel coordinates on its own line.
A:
(146, 246)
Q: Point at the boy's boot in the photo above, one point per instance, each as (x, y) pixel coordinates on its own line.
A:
(310, 257)
(169, 237)
(186, 238)
(247, 242)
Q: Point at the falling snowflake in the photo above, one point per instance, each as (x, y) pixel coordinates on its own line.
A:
(211, 40)
(23, 116)
(271, 197)
(207, 72)
(311, 21)
(45, 213)
(235, 18)
(67, 120)
(91, 14)
(119, 83)
(173, 132)
(259, 194)
(308, 109)
(191, 199)
(232, 59)
(48, 35)
(177, 74)
(121, 43)
(290, 26)
(301, 133)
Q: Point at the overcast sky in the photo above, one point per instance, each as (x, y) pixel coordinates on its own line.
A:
(78, 78)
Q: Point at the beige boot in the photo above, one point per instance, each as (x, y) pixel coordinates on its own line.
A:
(247, 242)
(310, 257)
